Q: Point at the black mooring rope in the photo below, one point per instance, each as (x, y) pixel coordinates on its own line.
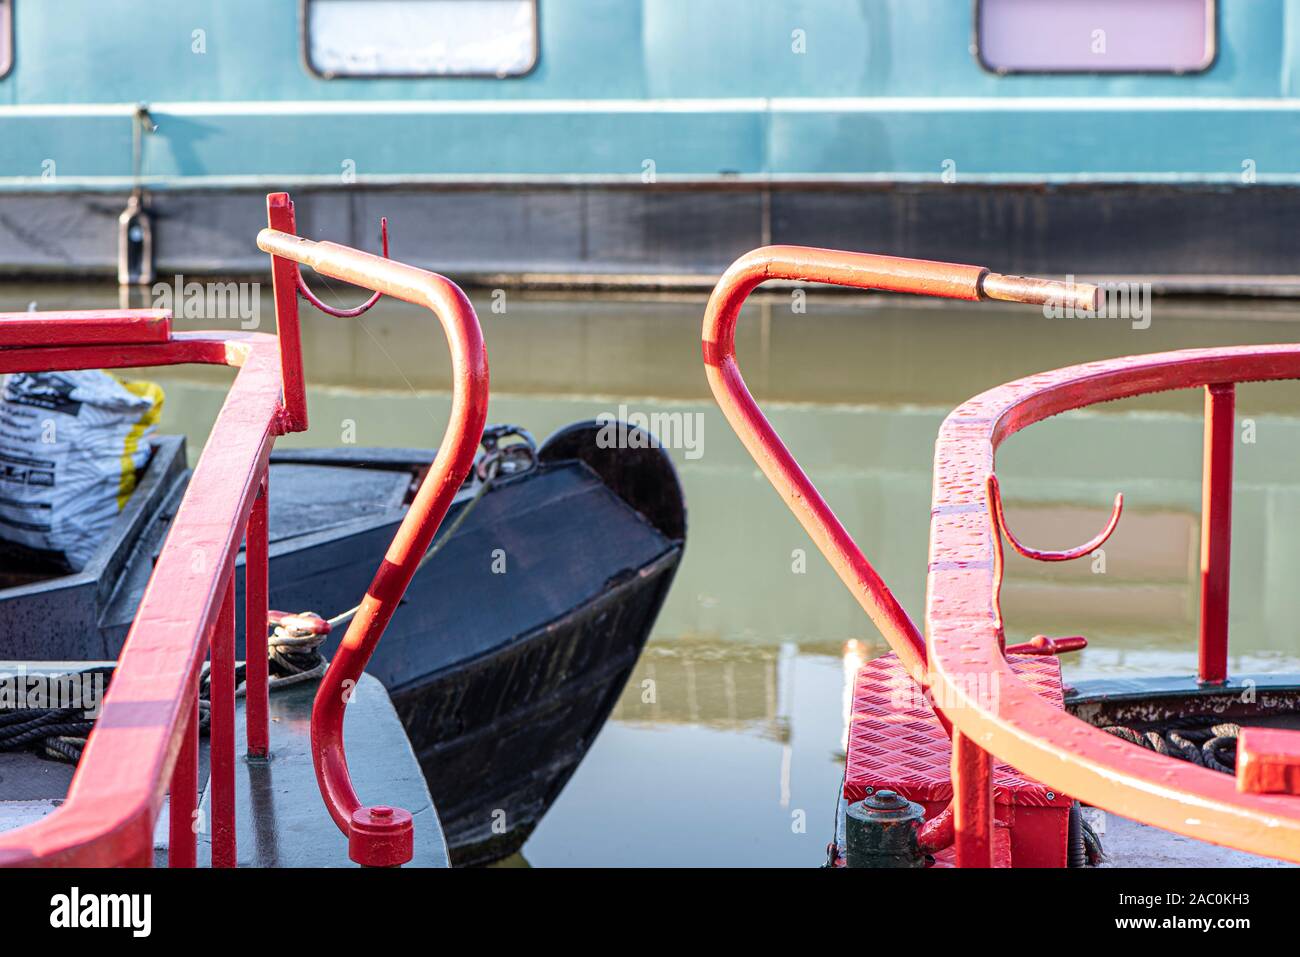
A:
(53, 731)
(1205, 742)
(60, 733)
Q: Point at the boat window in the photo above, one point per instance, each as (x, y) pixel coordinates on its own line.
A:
(6, 36)
(1095, 36)
(415, 38)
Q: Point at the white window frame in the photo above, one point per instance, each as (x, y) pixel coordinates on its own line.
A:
(304, 16)
(1211, 54)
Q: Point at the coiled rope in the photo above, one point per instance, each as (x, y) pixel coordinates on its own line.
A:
(52, 731)
(60, 733)
(1205, 742)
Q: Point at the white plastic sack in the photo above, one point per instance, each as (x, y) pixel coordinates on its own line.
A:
(70, 446)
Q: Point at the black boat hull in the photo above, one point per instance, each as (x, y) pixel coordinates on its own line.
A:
(529, 713)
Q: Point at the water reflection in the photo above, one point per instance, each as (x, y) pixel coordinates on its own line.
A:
(727, 745)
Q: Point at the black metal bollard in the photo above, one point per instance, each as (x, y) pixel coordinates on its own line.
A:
(880, 831)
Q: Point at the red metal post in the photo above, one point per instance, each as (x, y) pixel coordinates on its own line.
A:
(182, 841)
(222, 730)
(1216, 530)
(973, 818)
(284, 283)
(255, 611)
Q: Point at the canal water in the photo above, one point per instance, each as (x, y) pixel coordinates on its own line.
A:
(727, 746)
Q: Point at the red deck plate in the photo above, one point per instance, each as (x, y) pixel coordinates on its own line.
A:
(896, 744)
(88, 327)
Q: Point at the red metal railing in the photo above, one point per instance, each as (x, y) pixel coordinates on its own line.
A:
(146, 741)
(965, 645)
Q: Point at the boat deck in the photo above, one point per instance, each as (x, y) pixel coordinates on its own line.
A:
(1132, 844)
(281, 819)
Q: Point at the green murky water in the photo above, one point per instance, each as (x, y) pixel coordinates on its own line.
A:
(727, 746)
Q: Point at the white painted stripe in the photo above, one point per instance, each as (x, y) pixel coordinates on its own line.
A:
(752, 105)
(1100, 104)
(68, 109)
(35, 184)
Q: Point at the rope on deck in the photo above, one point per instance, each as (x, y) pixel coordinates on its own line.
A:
(1206, 742)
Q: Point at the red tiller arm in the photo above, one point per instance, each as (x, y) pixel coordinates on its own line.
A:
(863, 271)
(382, 835)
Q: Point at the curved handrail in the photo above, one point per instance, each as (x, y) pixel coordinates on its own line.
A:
(1015, 724)
(122, 778)
(863, 271)
(381, 835)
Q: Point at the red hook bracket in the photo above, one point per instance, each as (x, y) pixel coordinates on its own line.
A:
(1040, 644)
(994, 494)
(335, 311)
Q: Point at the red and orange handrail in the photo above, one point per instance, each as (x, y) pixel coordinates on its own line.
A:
(1016, 725)
(145, 740)
(381, 834)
